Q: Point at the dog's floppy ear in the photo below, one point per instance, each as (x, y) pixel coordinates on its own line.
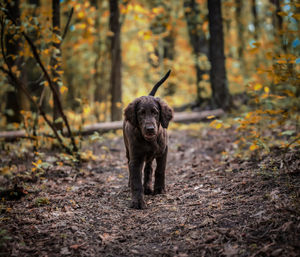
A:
(130, 113)
(166, 113)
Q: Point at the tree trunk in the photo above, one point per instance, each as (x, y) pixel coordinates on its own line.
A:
(255, 19)
(197, 40)
(55, 61)
(101, 76)
(220, 93)
(165, 42)
(169, 53)
(256, 28)
(278, 25)
(116, 61)
(97, 49)
(15, 99)
(240, 27)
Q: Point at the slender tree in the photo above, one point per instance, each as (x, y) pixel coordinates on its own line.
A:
(164, 48)
(169, 53)
(256, 28)
(220, 92)
(240, 11)
(255, 18)
(56, 61)
(278, 24)
(99, 96)
(197, 39)
(116, 61)
(101, 77)
(240, 28)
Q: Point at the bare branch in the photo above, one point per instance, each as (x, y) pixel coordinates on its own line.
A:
(48, 78)
(18, 83)
(67, 24)
(2, 40)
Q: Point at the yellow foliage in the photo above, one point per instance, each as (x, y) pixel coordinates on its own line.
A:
(254, 50)
(296, 16)
(139, 9)
(188, 9)
(63, 89)
(46, 51)
(90, 21)
(210, 117)
(267, 90)
(282, 14)
(88, 155)
(253, 147)
(257, 87)
(269, 55)
(218, 126)
(81, 26)
(205, 26)
(77, 7)
(55, 38)
(281, 61)
(147, 35)
(5, 170)
(80, 14)
(289, 93)
(36, 164)
(158, 10)
(205, 76)
(86, 109)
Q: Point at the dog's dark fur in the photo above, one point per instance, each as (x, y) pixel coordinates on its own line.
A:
(146, 139)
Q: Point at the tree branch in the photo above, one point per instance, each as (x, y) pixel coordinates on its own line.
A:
(47, 76)
(18, 83)
(67, 24)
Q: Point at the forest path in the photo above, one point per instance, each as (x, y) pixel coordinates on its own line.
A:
(213, 206)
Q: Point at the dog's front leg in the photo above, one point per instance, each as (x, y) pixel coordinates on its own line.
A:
(135, 176)
(159, 183)
(148, 177)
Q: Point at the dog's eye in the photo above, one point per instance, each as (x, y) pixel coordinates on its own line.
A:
(153, 111)
(142, 112)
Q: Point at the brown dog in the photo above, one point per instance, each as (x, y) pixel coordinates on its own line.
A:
(145, 136)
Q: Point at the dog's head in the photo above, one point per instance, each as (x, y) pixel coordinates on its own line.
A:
(148, 113)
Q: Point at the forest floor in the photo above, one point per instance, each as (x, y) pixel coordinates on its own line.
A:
(215, 205)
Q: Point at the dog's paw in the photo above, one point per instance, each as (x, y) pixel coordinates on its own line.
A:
(138, 204)
(159, 191)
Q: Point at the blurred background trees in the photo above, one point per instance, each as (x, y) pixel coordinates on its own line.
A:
(115, 50)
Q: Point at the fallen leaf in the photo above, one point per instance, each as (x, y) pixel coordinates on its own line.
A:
(65, 251)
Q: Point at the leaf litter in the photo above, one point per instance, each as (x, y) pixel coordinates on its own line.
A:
(214, 205)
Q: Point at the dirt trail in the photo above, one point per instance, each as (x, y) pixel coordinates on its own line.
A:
(213, 207)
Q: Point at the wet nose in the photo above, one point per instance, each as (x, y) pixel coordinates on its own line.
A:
(150, 128)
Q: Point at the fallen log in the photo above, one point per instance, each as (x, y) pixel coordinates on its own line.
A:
(180, 117)
(189, 117)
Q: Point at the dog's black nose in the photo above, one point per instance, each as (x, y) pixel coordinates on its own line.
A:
(150, 128)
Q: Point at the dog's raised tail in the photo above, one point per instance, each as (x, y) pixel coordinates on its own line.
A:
(156, 86)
